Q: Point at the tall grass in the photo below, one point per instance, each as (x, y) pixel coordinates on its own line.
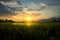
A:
(43, 31)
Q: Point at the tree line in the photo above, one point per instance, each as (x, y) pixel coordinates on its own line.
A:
(6, 20)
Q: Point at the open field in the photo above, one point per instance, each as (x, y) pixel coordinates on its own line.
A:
(36, 31)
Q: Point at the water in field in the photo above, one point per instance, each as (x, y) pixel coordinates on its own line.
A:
(27, 24)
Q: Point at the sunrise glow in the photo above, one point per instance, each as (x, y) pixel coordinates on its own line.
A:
(28, 19)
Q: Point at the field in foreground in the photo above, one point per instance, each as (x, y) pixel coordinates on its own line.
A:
(42, 31)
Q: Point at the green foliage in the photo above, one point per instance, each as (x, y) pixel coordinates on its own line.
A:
(43, 31)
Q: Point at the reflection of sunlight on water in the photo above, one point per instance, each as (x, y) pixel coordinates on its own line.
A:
(18, 23)
(26, 24)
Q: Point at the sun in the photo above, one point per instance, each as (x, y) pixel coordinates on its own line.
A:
(28, 19)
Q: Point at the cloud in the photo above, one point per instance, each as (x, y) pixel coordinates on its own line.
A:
(33, 4)
(35, 7)
(28, 11)
(57, 4)
(6, 0)
(51, 2)
(10, 2)
(19, 2)
(5, 11)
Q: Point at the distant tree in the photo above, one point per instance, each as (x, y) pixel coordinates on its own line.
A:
(10, 21)
(6, 20)
(52, 19)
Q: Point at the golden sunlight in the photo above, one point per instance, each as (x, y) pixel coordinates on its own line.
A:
(28, 19)
(28, 24)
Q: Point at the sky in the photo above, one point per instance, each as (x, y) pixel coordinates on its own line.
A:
(40, 9)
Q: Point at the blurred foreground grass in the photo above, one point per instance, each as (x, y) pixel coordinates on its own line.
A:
(42, 31)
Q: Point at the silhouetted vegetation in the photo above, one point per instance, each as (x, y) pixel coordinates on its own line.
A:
(6, 20)
(55, 19)
(50, 20)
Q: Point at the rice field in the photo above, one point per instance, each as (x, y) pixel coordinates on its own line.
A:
(30, 31)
